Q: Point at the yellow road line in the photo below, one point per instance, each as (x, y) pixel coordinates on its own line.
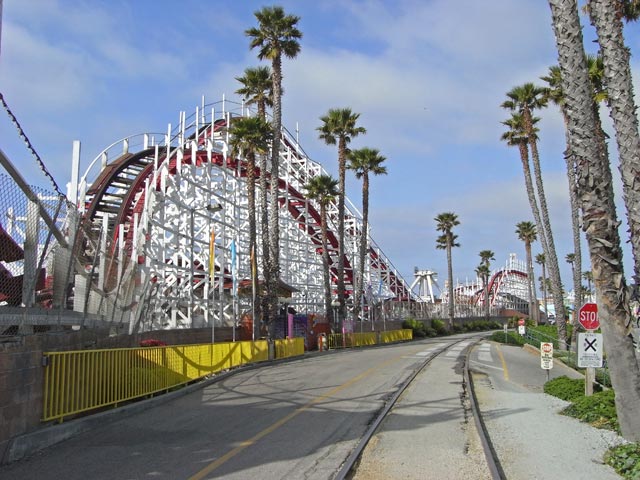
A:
(505, 370)
(247, 443)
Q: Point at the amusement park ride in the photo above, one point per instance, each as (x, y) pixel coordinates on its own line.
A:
(157, 233)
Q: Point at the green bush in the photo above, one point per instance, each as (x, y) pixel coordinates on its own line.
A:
(625, 459)
(439, 326)
(417, 327)
(510, 338)
(598, 410)
(430, 332)
(565, 388)
(457, 328)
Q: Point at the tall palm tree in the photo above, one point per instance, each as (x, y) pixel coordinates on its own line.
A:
(595, 191)
(607, 16)
(485, 259)
(525, 99)
(447, 241)
(540, 260)
(323, 189)
(483, 271)
(555, 94)
(276, 36)
(250, 136)
(339, 127)
(257, 89)
(526, 232)
(363, 162)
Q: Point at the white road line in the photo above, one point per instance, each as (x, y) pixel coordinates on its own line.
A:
(487, 366)
(485, 357)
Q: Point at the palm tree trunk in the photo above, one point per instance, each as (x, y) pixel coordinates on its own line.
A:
(547, 234)
(274, 226)
(544, 291)
(532, 313)
(487, 304)
(595, 191)
(359, 287)
(533, 203)
(450, 274)
(607, 19)
(325, 262)
(342, 167)
(575, 226)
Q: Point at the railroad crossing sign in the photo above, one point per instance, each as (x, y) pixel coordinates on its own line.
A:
(546, 355)
(590, 350)
(588, 316)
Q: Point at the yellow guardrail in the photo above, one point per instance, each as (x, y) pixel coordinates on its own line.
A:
(396, 335)
(349, 340)
(79, 381)
(289, 347)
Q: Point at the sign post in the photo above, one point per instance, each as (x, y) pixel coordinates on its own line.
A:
(546, 356)
(589, 344)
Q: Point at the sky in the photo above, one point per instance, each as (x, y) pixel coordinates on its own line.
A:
(426, 76)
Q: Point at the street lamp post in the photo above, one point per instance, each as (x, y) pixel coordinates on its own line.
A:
(335, 305)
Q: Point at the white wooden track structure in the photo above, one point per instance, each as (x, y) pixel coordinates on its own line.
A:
(151, 204)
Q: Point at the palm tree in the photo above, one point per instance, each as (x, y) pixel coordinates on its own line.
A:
(445, 223)
(363, 162)
(555, 94)
(607, 16)
(483, 272)
(524, 99)
(540, 260)
(277, 35)
(250, 136)
(526, 232)
(323, 189)
(257, 89)
(339, 127)
(595, 192)
(485, 259)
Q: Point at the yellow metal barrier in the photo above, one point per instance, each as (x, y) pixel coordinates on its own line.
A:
(289, 347)
(79, 381)
(396, 335)
(349, 340)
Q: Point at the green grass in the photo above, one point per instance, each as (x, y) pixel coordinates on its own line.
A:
(566, 388)
(625, 459)
(510, 338)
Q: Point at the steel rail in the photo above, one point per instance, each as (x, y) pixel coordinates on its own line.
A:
(355, 455)
(489, 452)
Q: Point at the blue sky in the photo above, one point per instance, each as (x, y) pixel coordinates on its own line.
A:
(427, 77)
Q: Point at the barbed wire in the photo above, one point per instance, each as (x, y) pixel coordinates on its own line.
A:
(23, 136)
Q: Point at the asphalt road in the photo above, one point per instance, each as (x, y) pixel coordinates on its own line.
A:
(299, 419)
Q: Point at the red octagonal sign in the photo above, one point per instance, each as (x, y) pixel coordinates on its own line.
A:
(588, 316)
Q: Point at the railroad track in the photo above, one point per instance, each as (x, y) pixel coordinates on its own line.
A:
(349, 468)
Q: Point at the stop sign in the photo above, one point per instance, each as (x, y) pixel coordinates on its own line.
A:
(588, 316)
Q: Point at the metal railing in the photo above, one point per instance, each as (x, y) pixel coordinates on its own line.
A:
(80, 381)
(568, 357)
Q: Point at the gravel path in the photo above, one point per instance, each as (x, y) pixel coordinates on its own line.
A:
(429, 434)
(532, 439)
